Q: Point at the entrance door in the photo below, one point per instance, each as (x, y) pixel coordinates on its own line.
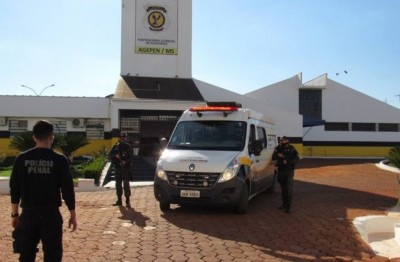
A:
(145, 128)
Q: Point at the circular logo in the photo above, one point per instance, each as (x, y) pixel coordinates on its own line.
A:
(192, 167)
(156, 19)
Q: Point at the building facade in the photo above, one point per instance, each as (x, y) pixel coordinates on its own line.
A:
(347, 123)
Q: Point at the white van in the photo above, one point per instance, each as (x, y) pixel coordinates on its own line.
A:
(219, 154)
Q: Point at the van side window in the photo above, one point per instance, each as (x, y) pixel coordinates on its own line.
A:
(252, 137)
(261, 136)
(272, 141)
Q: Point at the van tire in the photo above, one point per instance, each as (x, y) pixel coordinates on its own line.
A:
(241, 208)
(164, 206)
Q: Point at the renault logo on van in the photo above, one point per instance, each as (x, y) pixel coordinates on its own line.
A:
(192, 167)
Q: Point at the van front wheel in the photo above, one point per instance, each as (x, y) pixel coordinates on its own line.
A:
(241, 208)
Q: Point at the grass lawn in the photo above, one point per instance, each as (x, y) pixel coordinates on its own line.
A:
(5, 173)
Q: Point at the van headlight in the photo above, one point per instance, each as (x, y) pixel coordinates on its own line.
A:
(230, 171)
(161, 174)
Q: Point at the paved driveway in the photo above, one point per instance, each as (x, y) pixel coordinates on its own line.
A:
(328, 195)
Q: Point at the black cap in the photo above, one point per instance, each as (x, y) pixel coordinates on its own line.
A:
(284, 138)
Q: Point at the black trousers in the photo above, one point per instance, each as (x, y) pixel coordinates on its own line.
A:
(285, 179)
(122, 179)
(40, 224)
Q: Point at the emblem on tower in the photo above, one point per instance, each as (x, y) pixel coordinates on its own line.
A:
(156, 17)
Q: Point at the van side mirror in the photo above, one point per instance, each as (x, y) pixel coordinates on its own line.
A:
(257, 147)
(163, 142)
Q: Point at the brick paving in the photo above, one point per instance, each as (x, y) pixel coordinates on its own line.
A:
(329, 194)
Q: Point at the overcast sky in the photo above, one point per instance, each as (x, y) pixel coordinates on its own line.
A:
(237, 45)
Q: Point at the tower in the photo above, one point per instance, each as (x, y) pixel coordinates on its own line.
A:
(156, 49)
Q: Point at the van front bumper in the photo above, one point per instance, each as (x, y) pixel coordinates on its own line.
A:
(225, 193)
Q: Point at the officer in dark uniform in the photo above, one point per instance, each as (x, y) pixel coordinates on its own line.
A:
(121, 156)
(286, 159)
(37, 178)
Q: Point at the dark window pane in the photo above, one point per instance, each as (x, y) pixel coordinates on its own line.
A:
(363, 127)
(336, 126)
(383, 127)
(261, 136)
(310, 103)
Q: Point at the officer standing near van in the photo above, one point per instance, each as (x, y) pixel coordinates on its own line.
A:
(286, 158)
(121, 156)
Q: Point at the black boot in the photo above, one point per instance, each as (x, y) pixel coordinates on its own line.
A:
(128, 202)
(118, 203)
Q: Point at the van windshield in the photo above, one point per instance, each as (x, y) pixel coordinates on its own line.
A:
(209, 135)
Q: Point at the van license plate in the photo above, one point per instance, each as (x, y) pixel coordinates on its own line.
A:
(190, 193)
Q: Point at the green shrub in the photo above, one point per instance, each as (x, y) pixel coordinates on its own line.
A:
(94, 168)
(7, 161)
(394, 156)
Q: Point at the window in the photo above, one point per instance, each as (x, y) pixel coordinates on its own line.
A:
(261, 136)
(252, 136)
(209, 135)
(130, 125)
(17, 127)
(363, 127)
(386, 127)
(336, 126)
(94, 129)
(60, 127)
(310, 103)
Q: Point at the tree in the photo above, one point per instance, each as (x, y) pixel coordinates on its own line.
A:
(22, 141)
(69, 143)
(394, 156)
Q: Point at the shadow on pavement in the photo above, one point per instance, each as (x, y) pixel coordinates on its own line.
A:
(134, 217)
(320, 226)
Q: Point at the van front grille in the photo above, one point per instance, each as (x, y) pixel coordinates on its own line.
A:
(202, 180)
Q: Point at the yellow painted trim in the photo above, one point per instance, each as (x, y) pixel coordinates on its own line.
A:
(345, 151)
(5, 147)
(305, 151)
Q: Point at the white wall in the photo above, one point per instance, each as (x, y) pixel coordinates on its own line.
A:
(153, 65)
(284, 94)
(42, 106)
(341, 103)
(287, 123)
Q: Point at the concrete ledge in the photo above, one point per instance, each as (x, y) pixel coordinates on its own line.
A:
(378, 233)
(111, 184)
(4, 185)
(394, 212)
(86, 183)
(384, 166)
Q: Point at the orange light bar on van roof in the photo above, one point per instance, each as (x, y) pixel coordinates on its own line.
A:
(213, 108)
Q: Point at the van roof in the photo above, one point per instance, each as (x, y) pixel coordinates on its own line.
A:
(226, 108)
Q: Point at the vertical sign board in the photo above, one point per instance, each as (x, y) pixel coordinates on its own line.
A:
(156, 27)
(156, 38)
